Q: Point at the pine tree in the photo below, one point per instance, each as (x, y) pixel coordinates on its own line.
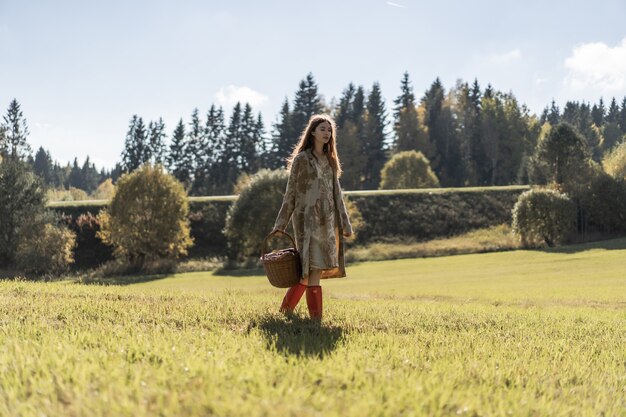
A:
(492, 117)
(205, 181)
(176, 159)
(15, 131)
(213, 132)
(248, 154)
(350, 137)
(230, 160)
(441, 131)
(353, 159)
(283, 138)
(466, 118)
(135, 145)
(263, 142)
(375, 137)
(196, 142)
(613, 114)
(76, 176)
(597, 113)
(307, 102)
(43, 166)
(554, 115)
(156, 142)
(408, 132)
(406, 98)
(89, 176)
(571, 113)
(344, 110)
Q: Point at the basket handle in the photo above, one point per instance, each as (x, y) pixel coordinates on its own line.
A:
(275, 232)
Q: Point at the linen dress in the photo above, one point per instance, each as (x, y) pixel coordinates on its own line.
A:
(323, 248)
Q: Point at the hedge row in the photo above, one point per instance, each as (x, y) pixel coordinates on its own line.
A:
(387, 215)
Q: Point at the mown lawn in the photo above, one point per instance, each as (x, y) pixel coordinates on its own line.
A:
(524, 333)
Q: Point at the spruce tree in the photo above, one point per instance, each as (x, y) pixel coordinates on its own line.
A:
(598, 113)
(207, 175)
(407, 129)
(156, 142)
(613, 114)
(43, 166)
(89, 176)
(15, 132)
(307, 102)
(230, 160)
(176, 157)
(466, 126)
(554, 115)
(76, 176)
(135, 145)
(375, 137)
(406, 97)
(196, 143)
(248, 155)
(441, 131)
(283, 138)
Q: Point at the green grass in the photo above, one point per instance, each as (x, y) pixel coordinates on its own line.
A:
(522, 333)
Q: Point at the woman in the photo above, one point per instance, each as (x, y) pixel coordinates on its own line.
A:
(320, 219)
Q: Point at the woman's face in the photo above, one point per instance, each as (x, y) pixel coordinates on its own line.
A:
(322, 133)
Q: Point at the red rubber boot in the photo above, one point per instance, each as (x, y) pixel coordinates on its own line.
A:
(314, 301)
(293, 296)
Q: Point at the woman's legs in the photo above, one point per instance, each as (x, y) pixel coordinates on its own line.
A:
(314, 294)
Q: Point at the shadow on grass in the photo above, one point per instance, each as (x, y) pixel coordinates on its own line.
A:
(235, 272)
(122, 280)
(294, 335)
(612, 244)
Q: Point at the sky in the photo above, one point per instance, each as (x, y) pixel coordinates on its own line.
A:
(82, 69)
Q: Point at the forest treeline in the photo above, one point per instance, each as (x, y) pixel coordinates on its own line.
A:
(472, 136)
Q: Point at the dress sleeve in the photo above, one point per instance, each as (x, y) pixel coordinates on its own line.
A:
(289, 199)
(343, 213)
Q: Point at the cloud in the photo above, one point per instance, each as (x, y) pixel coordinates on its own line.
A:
(507, 57)
(230, 95)
(596, 69)
(390, 3)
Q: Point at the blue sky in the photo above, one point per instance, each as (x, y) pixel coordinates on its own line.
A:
(81, 69)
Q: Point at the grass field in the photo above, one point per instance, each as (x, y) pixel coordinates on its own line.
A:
(522, 333)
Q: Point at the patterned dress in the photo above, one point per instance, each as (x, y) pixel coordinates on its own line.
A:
(323, 248)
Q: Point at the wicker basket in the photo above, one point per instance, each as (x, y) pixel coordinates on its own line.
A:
(282, 267)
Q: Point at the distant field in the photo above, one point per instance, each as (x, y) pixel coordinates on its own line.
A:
(524, 333)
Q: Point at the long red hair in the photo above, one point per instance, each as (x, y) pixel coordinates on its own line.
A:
(307, 141)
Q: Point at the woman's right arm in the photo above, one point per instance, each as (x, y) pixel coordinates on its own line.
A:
(289, 200)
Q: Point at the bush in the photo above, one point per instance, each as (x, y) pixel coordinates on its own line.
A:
(45, 250)
(604, 204)
(615, 162)
(147, 217)
(252, 216)
(105, 190)
(207, 222)
(90, 250)
(409, 169)
(544, 216)
(73, 194)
